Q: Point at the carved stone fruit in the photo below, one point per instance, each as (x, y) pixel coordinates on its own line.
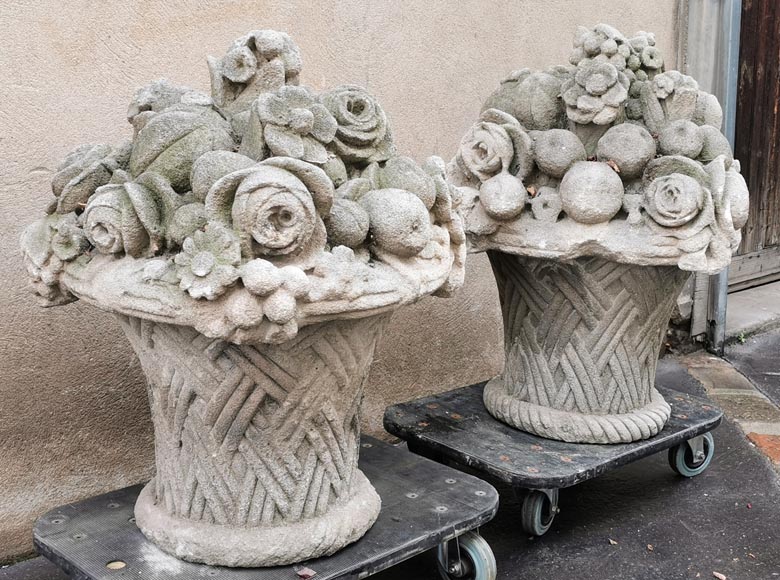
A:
(399, 222)
(591, 192)
(629, 146)
(347, 223)
(503, 196)
(681, 138)
(556, 150)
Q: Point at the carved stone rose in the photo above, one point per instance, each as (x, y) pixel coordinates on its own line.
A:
(674, 200)
(363, 134)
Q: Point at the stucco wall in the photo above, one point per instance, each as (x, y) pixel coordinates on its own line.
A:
(73, 410)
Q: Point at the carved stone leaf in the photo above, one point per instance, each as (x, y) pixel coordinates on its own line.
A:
(171, 141)
(283, 142)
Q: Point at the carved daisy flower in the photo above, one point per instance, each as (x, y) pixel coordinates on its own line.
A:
(595, 94)
(207, 263)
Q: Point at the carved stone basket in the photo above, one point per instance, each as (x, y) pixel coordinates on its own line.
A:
(631, 186)
(252, 244)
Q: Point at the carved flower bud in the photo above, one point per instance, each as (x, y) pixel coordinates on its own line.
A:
(674, 200)
(123, 218)
(186, 220)
(81, 173)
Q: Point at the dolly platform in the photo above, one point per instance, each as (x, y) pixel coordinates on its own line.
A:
(424, 505)
(456, 428)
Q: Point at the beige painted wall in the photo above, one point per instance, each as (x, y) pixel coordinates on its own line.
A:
(73, 411)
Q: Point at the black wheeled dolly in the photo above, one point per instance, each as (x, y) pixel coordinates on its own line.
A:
(425, 505)
(455, 428)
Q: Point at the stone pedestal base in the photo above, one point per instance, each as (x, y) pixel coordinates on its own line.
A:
(582, 341)
(256, 445)
(260, 546)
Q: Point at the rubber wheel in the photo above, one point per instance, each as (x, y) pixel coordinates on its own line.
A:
(538, 512)
(477, 561)
(681, 457)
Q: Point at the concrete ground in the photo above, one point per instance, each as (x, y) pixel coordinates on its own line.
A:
(643, 522)
(753, 310)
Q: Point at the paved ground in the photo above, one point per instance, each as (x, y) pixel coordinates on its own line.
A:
(759, 359)
(753, 310)
(643, 522)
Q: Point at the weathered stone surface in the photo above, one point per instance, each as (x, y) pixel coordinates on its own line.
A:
(252, 243)
(619, 106)
(581, 343)
(631, 184)
(256, 445)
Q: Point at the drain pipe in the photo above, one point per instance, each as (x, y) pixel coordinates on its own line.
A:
(731, 18)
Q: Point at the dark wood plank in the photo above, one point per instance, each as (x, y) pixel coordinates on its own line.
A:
(757, 138)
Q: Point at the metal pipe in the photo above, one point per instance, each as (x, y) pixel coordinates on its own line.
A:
(731, 18)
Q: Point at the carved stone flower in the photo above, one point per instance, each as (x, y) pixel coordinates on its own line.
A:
(83, 171)
(595, 94)
(208, 262)
(485, 150)
(295, 124)
(257, 63)
(275, 207)
(674, 200)
(363, 135)
(124, 218)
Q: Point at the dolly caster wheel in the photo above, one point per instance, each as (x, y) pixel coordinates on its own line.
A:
(692, 457)
(467, 557)
(538, 511)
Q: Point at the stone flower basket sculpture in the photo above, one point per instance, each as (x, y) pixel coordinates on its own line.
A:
(252, 243)
(595, 188)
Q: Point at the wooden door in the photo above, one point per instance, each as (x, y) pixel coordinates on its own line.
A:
(757, 143)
